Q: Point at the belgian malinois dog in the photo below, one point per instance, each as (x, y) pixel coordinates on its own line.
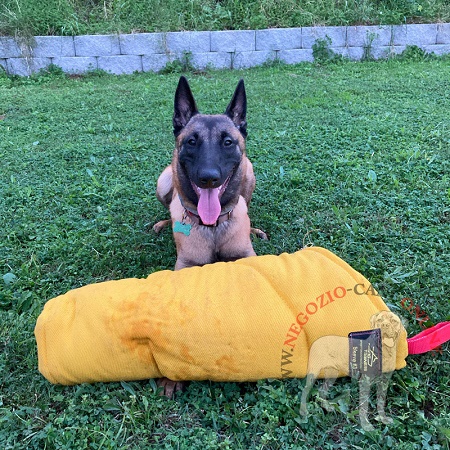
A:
(209, 184)
(207, 187)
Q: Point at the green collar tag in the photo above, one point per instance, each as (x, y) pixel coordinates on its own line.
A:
(184, 228)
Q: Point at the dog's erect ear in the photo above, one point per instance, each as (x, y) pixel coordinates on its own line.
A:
(184, 106)
(237, 109)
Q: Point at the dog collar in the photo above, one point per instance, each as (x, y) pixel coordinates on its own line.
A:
(197, 219)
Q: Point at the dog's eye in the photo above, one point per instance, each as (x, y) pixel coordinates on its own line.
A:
(227, 142)
(192, 141)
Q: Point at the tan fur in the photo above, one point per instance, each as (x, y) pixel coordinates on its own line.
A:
(230, 237)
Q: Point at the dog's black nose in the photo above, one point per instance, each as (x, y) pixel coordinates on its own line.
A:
(209, 178)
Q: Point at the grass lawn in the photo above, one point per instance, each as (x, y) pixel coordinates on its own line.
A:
(354, 157)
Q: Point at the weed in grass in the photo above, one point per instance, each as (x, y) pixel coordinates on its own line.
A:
(367, 53)
(274, 61)
(183, 64)
(322, 52)
(414, 53)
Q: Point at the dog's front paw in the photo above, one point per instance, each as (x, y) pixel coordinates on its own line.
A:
(259, 233)
(159, 226)
(384, 419)
(302, 419)
(326, 405)
(170, 387)
(304, 411)
(366, 425)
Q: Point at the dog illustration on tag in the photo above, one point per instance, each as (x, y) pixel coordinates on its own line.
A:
(369, 356)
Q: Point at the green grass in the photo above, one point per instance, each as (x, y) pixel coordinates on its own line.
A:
(354, 157)
(71, 17)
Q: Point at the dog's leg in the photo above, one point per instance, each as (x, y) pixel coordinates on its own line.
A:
(330, 376)
(247, 188)
(364, 394)
(164, 187)
(382, 387)
(170, 387)
(259, 233)
(324, 390)
(310, 379)
(159, 226)
(164, 193)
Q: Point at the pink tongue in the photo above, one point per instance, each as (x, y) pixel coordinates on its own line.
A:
(208, 206)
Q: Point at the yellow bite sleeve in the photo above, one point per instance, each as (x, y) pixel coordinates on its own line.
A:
(234, 321)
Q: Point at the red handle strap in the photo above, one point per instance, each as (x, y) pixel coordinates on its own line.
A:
(429, 339)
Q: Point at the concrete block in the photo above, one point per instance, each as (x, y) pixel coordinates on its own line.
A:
(244, 60)
(338, 36)
(190, 41)
(26, 66)
(377, 52)
(355, 53)
(9, 48)
(368, 35)
(233, 41)
(395, 50)
(421, 34)
(438, 49)
(107, 45)
(216, 60)
(3, 66)
(388, 51)
(295, 56)
(120, 64)
(155, 62)
(279, 39)
(384, 51)
(53, 46)
(414, 34)
(341, 51)
(142, 44)
(443, 33)
(399, 34)
(76, 65)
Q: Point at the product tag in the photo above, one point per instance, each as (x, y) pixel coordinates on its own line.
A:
(365, 353)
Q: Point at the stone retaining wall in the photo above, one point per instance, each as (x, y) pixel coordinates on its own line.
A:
(128, 53)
